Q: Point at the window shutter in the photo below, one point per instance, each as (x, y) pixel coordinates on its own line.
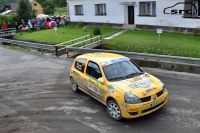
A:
(142, 8)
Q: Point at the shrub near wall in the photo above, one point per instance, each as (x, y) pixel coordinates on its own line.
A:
(8, 18)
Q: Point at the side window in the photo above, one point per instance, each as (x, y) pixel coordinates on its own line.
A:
(80, 64)
(93, 70)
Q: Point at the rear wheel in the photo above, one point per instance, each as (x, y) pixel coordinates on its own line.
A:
(113, 110)
(74, 84)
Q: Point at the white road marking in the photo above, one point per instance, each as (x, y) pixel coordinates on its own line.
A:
(69, 108)
(99, 126)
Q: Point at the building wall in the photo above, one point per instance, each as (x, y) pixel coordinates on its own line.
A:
(38, 7)
(118, 14)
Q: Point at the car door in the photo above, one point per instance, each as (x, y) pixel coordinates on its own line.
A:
(94, 87)
(78, 71)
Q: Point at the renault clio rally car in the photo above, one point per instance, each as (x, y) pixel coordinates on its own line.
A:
(117, 82)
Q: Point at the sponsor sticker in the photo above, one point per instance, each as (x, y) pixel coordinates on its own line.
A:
(110, 89)
(141, 84)
(113, 61)
(145, 75)
(148, 91)
(93, 88)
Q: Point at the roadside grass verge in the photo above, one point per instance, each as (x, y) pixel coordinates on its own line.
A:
(63, 34)
(172, 44)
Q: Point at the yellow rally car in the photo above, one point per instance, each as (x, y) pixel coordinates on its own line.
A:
(117, 82)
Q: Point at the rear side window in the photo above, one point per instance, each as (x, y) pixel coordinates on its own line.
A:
(80, 64)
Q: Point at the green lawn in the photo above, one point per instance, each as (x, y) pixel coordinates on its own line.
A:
(60, 11)
(63, 34)
(147, 42)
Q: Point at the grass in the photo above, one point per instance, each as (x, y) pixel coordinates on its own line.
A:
(60, 11)
(147, 42)
(63, 34)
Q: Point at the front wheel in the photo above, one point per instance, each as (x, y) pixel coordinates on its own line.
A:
(113, 110)
(74, 84)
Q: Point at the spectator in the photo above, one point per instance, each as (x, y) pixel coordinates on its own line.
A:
(16, 27)
(26, 28)
(48, 19)
(9, 25)
(67, 19)
(5, 26)
(58, 23)
(21, 28)
(29, 23)
(23, 23)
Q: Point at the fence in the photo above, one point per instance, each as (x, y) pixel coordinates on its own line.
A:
(72, 41)
(142, 56)
(4, 33)
(133, 55)
(29, 45)
(93, 42)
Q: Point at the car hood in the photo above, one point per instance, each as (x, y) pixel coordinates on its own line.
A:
(142, 86)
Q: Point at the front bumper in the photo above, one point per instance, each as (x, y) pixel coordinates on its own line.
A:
(137, 110)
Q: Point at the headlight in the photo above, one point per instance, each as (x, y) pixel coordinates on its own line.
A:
(163, 87)
(131, 99)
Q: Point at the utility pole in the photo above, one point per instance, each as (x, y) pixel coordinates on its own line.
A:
(28, 4)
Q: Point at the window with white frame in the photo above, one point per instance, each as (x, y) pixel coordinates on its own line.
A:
(192, 6)
(100, 9)
(79, 9)
(147, 8)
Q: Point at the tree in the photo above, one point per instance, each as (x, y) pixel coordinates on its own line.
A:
(62, 3)
(48, 7)
(48, 10)
(23, 11)
(59, 3)
(33, 13)
(40, 1)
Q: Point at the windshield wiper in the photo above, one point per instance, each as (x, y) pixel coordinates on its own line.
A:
(117, 78)
(133, 75)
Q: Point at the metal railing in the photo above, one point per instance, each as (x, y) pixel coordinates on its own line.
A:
(29, 45)
(141, 56)
(72, 41)
(7, 32)
(94, 41)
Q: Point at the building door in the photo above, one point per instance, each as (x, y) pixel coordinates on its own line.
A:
(130, 14)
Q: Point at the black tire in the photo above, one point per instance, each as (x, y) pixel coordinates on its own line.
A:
(113, 110)
(74, 84)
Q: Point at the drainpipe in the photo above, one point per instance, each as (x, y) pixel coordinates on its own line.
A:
(67, 4)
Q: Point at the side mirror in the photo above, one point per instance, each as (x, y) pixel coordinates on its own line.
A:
(100, 80)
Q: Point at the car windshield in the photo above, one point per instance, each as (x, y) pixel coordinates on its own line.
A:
(121, 70)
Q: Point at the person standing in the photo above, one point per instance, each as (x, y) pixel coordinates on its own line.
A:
(16, 27)
(5, 27)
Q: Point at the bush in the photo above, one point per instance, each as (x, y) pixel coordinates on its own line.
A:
(80, 24)
(106, 25)
(92, 25)
(71, 25)
(171, 29)
(195, 31)
(85, 28)
(185, 31)
(179, 30)
(97, 31)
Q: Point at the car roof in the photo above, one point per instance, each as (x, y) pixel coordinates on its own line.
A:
(101, 57)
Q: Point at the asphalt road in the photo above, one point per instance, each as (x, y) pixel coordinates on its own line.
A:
(36, 97)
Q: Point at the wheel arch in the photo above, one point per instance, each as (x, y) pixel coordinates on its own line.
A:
(109, 98)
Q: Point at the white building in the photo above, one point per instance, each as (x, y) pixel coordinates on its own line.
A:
(158, 13)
